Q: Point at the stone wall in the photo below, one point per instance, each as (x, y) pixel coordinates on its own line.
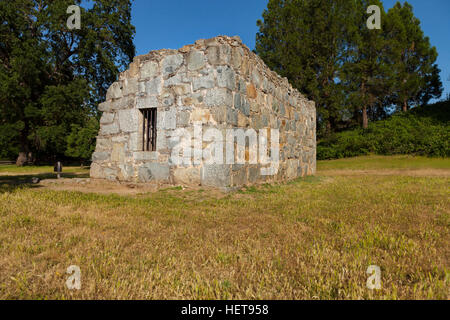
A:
(218, 83)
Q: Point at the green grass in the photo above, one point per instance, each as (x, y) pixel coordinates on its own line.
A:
(312, 238)
(39, 169)
(384, 162)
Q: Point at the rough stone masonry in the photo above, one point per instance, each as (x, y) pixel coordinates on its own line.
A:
(218, 83)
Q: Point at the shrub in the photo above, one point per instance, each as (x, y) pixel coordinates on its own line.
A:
(421, 131)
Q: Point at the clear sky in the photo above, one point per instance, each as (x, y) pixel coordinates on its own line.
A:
(174, 23)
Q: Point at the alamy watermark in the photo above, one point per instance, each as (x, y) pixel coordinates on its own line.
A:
(374, 280)
(226, 146)
(374, 21)
(74, 280)
(74, 20)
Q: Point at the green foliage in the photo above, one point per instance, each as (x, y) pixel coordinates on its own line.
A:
(352, 73)
(305, 41)
(81, 140)
(421, 131)
(416, 78)
(51, 78)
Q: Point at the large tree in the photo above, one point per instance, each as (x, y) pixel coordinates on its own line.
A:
(305, 41)
(366, 72)
(52, 78)
(413, 59)
(353, 73)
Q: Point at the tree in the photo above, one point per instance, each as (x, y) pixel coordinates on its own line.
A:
(353, 73)
(50, 76)
(366, 72)
(305, 41)
(81, 140)
(412, 59)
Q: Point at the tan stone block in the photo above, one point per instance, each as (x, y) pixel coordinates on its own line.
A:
(251, 91)
(118, 152)
(242, 120)
(201, 115)
(182, 89)
(133, 70)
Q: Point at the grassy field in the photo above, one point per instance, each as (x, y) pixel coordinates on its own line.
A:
(13, 169)
(312, 238)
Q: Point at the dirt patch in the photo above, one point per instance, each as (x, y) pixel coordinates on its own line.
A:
(97, 186)
(123, 188)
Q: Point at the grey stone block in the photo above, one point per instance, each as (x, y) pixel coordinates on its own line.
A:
(123, 103)
(232, 117)
(103, 144)
(282, 110)
(236, 57)
(114, 91)
(187, 176)
(171, 64)
(133, 142)
(226, 77)
(126, 172)
(183, 117)
(149, 69)
(167, 119)
(109, 129)
(242, 104)
(104, 106)
(196, 60)
(154, 86)
(205, 82)
(256, 78)
(110, 174)
(253, 174)
(174, 81)
(96, 171)
(129, 120)
(242, 87)
(154, 172)
(239, 178)
(218, 97)
(219, 54)
(107, 117)
(146, 102)
(219, 114)
(144, 174)
(130, 86)
(167, 99)
(146, 155)
(100, 156)
(216, 175)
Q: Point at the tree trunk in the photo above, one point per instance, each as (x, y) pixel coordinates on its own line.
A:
(405, 106)
(22, 159)
(365, 120)
(328, 127)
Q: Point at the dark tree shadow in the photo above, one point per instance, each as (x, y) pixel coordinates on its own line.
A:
(9, 183)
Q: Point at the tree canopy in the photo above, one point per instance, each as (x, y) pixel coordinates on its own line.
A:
(353, 73)
(52, 78)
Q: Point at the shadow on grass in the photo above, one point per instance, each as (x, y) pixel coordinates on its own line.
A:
(9, 183)
(276, 187)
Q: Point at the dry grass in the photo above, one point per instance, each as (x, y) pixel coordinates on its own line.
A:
(309, 239)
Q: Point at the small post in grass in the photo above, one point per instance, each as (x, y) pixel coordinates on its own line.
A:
(58, 169)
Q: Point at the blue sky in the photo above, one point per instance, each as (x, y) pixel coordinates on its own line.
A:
(175, 23)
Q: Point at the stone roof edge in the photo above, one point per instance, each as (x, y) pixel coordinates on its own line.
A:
(202, 44)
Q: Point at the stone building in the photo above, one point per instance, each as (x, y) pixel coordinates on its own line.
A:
(158, 114)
